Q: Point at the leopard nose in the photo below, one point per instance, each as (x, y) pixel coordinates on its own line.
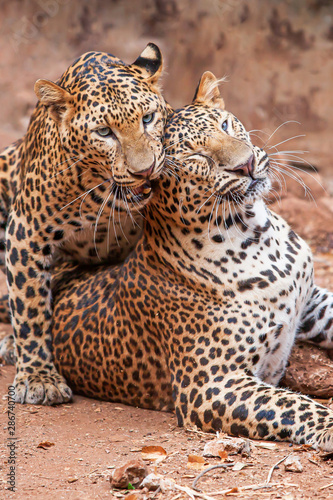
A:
(245, 169)
(145, 173)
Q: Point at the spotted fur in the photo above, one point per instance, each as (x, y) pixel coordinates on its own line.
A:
(202, 315)
(73, 187)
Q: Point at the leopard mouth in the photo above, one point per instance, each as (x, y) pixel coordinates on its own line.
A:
(255, 189)
(144, 190)
(140, 193)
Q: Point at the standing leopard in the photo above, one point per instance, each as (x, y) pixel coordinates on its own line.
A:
(202, 315)
(73, 187)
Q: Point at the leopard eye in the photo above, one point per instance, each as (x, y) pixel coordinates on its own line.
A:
(148, 118)
(225, 125)
(104, 131)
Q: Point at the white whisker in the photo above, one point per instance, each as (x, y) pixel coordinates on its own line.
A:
(204, 203)
(278, 128)
(294, 176)
(300, 151)
(83, 194)
(286, 140)
(64, 170)
(119, 218)
(173, 144)
(97, 220)
(210, 217)
(134, 222)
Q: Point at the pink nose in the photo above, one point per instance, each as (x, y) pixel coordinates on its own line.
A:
(145, 173)
(246, 169)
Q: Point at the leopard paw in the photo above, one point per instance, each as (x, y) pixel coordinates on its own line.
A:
(324, 441)
(38, 388)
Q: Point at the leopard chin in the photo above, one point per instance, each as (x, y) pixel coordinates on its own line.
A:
(258, 189)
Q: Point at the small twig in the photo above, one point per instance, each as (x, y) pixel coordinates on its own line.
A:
(267, 446)
(171, 455)
(193, 493)
(74, 479)
(274, 467)
(251, 487)
(314, 462)
(218, 466)
(326, 486)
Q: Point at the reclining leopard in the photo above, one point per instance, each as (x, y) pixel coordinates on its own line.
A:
(202, 315)
(73, 187)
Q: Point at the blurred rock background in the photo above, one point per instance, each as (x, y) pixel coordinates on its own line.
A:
(277, 55)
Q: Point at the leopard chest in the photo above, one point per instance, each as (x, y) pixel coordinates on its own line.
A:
(274, 292)
(263, 281)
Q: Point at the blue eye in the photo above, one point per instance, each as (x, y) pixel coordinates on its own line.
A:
(104, 131)
(148, 118)
(225, 125)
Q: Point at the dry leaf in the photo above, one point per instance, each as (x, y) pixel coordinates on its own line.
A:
(196, 462)
(233, 490)
(45, 445)
(132, 496)
(305, 447)
(223, 455)
(153, 453)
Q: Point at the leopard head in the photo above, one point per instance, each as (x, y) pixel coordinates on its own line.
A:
(110, 119)
(210, 156)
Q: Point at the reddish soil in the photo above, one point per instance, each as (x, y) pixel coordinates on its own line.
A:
(92, 437)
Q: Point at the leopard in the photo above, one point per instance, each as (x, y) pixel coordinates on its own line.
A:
(201, 316)
(72, 189)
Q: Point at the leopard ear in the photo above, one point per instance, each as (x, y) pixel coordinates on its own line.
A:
(151, 62)
(53, 97)
(208, 91)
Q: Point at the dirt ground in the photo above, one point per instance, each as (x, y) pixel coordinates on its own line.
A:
(90, 438)
(87, 439)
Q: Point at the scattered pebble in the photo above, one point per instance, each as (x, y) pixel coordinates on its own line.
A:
(231, 445)
(151, 482)
(293, 464)
(154, 481)
(132, 472)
